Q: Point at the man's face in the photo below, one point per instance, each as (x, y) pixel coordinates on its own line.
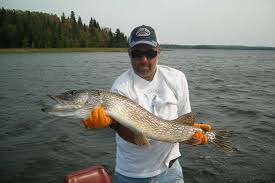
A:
(144, 60)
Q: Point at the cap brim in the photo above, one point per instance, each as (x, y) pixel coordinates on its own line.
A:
(155, 45)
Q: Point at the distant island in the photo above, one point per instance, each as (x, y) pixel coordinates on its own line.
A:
(223, 47)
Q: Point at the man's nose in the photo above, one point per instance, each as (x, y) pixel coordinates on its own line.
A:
(143, 59)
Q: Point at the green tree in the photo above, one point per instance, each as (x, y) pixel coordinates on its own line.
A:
(63, 18)
(79, 23)
(41, 30)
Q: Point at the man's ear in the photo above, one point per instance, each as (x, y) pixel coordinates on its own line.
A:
(158, 50)
(129, 52)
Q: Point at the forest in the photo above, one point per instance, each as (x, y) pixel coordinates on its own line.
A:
(26, 29)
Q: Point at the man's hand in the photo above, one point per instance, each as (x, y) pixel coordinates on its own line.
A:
(98, 119)
(199, 138)
(205, 127)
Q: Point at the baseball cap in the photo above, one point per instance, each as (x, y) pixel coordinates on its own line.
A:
(143, 35)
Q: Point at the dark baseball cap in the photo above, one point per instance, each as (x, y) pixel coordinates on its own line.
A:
(143, 35)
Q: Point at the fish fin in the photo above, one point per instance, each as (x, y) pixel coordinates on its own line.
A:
(186, 119)
(141, 139)
(190, 141)
(222, 141)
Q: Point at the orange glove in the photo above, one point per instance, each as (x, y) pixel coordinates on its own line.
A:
(205, 127)
(199, 138)
(98, 119)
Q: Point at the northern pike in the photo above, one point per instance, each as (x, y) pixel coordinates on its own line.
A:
(80, 104)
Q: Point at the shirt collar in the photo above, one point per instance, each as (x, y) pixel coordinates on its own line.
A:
(141, 83)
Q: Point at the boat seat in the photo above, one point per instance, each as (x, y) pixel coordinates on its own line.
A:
(94, 174)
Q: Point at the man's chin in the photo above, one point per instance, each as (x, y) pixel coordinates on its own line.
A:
(144, 74)
(143, 70)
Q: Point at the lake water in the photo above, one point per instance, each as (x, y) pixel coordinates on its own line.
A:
(232, 89)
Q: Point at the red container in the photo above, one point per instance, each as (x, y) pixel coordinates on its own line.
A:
(94, 174)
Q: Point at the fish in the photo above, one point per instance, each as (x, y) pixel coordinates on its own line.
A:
(80, 103)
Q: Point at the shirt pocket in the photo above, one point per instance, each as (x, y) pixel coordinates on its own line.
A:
(165, 108)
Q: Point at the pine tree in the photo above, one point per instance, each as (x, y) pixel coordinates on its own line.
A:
(63, 18)
(41, 30)
(79, 23)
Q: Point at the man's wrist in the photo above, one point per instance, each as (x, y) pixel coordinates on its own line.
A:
(114, 126)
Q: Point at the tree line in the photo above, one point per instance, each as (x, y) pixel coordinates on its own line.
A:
(25, 29)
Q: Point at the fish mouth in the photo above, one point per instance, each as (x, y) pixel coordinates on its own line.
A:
(56, 99)
(59, 106)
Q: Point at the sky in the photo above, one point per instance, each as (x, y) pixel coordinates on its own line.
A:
(185, 22)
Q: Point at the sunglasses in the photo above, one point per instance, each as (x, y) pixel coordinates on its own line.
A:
(148, 54)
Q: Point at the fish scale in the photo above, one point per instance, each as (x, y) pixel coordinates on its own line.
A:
(80, 103)
(146, 123)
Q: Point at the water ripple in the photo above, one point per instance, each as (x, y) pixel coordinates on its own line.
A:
(231, 89)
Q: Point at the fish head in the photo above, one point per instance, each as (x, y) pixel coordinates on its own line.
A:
(74, 103)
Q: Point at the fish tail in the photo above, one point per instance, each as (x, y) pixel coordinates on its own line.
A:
(221, 140)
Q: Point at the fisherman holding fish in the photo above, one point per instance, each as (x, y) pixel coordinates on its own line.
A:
(162, 91)
(149, 109)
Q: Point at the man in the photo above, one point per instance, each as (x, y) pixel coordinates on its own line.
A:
(159, 89)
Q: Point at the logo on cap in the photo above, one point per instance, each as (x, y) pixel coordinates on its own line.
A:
(143, 32)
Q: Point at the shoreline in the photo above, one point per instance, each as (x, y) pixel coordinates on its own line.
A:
(59, 50)
(163, 48)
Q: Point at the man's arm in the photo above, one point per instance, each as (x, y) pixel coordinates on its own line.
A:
(123, 132)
